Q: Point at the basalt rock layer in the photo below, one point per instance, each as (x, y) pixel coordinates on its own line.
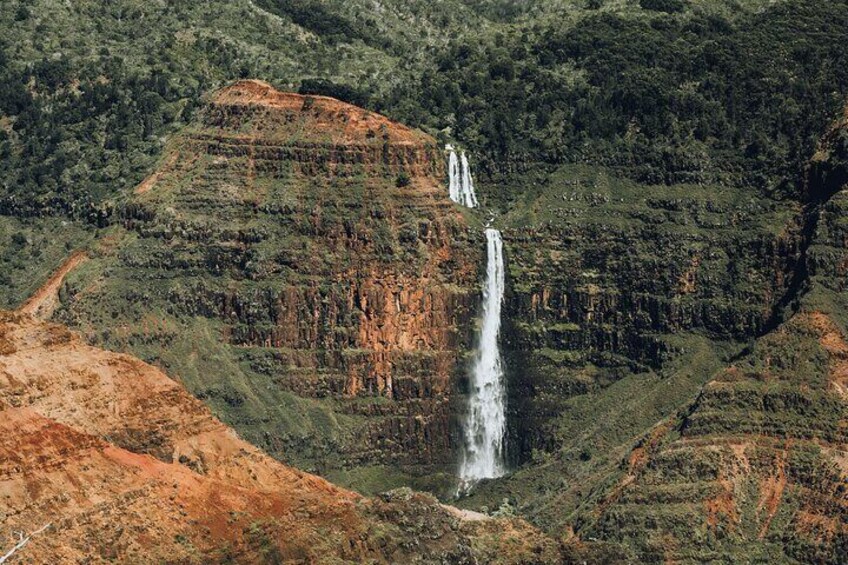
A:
(296, 261)
(608, 279)
(756, 467)
(311, 135)
(121, 464)
(742, 400)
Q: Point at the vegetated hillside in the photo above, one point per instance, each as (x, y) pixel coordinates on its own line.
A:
(297, 263)
(122, 464)
(92, 90)
(620, 306)
(714, 91)
(753, 466)
(645, 160)
(693, 96)
(758, 461)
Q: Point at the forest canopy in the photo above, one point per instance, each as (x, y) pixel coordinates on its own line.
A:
(664, 93)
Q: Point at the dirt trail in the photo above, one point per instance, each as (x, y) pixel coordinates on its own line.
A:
(46, 298)
(151, 180)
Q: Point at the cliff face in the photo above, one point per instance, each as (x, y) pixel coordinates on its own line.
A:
(741, 453)
(754, 470)
(311, 135)
(613, 283)
(312, 283)
(122, 464)
(310, 246)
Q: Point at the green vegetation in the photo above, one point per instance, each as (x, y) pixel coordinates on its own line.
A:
(31, 250)
(91, 90)
(647, 161)
(715, 92)
(689, 98)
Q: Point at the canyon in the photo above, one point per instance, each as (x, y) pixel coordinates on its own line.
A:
(469, 281)
(296, 263)
(103, 458)
(670, 356)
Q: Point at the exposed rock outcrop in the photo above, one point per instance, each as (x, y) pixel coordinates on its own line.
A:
(614, 287)
(753, 465)
(318, 240)
(310, 135)
(124, 465)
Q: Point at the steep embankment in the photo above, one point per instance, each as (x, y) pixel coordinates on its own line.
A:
(623, 300)
(296, 261)
(610, 281)
(753, 468)
(123, 464)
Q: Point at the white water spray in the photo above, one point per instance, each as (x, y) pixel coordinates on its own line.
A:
(486, 420)
(460, 182)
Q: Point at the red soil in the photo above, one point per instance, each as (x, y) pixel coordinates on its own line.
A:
(349, 123)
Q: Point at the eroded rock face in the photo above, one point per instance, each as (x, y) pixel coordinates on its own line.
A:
(316, 242)
(310, 135)
(752, 466)
(614, 289)
(124, 465)
(757, 462)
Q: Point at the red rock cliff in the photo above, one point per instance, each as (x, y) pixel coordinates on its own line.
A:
(285, 221)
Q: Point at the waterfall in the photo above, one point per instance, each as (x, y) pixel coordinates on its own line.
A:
(468, 184)
(460, 182)
(485, 423)
(454, 179)
(486, 420)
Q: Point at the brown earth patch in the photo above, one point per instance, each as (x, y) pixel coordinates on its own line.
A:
(45, 300)
(832, 340)
(722, 506)
(350, 123)
(771, 492)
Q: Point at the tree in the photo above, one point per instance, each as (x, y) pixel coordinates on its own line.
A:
(22, 541)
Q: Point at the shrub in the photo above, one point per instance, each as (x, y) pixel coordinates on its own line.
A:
(668, 6)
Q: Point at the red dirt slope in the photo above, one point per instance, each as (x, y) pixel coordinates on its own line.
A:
(127, 467)
(314, 116)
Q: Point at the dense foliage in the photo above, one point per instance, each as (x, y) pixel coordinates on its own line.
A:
(76, 136)
(666, 99)
(320, 19)
(663, 91)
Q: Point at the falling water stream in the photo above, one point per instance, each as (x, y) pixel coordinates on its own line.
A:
(485, 422)
(461, 185)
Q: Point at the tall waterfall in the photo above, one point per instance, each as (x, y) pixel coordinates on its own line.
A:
(486, 421)
(461, 185)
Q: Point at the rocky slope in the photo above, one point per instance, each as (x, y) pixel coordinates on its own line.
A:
(296, 261)
(753, 467)
(609, 279)
(124, 465)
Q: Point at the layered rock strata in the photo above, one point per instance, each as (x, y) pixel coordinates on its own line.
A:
(316, 242)
(103, 458)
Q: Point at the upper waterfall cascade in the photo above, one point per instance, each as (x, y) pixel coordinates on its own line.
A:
(461, 184)
(485, 423)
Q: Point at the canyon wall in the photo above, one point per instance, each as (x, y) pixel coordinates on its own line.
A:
(741, 399)
(311, 246)
(617, 280)
(105, 459)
